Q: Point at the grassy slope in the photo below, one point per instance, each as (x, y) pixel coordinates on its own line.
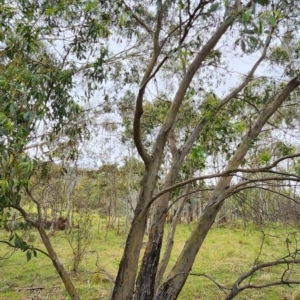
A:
(226, 254)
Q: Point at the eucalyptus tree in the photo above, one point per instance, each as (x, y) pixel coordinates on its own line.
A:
(188, 47)
(172, 52)
(39, 109)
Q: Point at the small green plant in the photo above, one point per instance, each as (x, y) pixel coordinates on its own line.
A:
(32, 237)
(79, 237)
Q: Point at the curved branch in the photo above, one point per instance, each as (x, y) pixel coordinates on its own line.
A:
(236, 289)
(230, 173)
(33, 248)
(237, 186)
(219, 285)
(25, 215)
(272, 165)
(224, 174)
(265, 189)
(137, 127)
(139, 101)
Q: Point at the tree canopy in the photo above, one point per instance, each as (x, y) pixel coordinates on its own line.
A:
(204, 93)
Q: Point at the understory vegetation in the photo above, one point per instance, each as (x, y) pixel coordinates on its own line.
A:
(229, 251)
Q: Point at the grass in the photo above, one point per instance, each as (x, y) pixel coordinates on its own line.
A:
(226, 254)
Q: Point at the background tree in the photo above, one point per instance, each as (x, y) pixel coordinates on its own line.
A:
(38, 108)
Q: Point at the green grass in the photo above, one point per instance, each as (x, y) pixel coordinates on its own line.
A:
(226, 254)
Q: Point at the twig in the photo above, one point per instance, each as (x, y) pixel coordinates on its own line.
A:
(29, 288)
(8, 254)
(36, 249)
(219, 285)
(236, 288)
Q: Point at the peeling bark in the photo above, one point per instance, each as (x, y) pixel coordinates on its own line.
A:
(148, 271)
(176, 279)
(146, 278)
(170, 239)
(125, 280)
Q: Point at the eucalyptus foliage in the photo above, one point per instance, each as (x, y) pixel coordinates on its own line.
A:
(164, 69)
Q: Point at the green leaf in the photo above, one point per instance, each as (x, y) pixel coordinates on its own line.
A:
(123, 18)
(285, 149)
(240, 127)
(249, 31)
(197, 153)
(265, 156)
(262, 2)
(28, 255)
(12, 108)
(246, 17)
(213, 8)
(29, 116)
(91, 6)
(272, 21)
(260, 27)
(26, 165)
(254, 41)
(3, 185)
(181, 5)
(277, 14)
(11, 237)
(243, 45)
(229, 20)
(18, 242)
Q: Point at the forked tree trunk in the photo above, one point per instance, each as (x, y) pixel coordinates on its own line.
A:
(145, 286)
(124, 286)
(146, 279)
(178, 275)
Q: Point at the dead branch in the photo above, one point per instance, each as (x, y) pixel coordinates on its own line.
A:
(29, 288)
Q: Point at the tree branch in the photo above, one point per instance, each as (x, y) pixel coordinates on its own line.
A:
(140, 21)
(237, 186)
(236, 289)
(24, 215)
(139, 101)
(236, 191)
(228, 173)
(219, 285)
(33, 248)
